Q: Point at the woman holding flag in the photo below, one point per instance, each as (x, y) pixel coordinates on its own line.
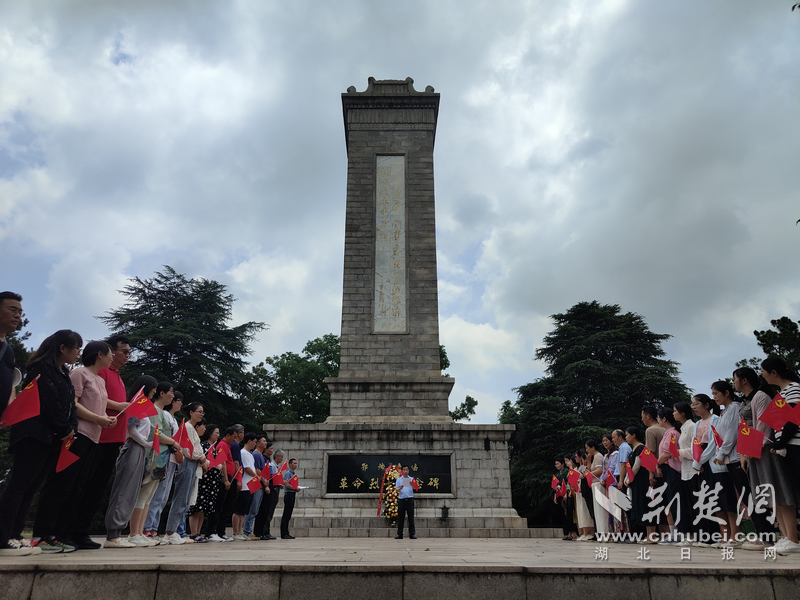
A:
(185, 477)
(636, 479)
(670, 466)
(682, 413)
(209, 486)
(155, 468)
(703, 450)
(130, 463)
(770, 469)
(36, 442)
(776, 372)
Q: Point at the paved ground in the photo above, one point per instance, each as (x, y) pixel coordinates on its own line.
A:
(547, 554)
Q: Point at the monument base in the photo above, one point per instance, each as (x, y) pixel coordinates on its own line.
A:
(462, 471)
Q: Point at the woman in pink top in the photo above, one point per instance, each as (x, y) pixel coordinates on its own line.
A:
(71, 521)
(670, 467)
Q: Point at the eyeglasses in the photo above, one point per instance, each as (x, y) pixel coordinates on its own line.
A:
(14, 310)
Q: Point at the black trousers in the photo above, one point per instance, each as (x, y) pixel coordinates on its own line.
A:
(288, 508)
(266, 511)
(405, 506)
(32, 462)
(63, 491)
(223, 511)
(95, 486)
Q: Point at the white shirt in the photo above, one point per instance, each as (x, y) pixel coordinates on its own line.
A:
(247, 462)
(685, 451)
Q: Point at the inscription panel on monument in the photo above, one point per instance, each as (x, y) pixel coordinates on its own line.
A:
(363, 473)
(389, 308)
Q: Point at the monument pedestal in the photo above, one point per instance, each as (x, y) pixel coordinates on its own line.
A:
(467, 495)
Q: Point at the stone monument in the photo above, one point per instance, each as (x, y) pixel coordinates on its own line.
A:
(389, 403)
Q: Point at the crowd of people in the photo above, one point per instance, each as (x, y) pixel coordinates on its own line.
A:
(207, 470)
(682, 480)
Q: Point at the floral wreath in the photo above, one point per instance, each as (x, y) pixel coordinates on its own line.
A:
(389, 494)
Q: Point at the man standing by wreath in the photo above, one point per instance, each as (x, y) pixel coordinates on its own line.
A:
(405, 504)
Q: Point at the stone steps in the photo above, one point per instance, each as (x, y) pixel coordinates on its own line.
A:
(427, 523)
(426, 532)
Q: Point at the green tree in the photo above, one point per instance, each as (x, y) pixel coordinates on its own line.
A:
(465, 410)
(290, 388)
(607, 364)
(547, 428)
(782, 341)
(602, 367)
(444, 362)
(179, 332)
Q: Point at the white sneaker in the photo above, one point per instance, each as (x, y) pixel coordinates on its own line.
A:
(120, 543)
(174, 539)
(225, 538)
(214, 538)
(758, 545)
(138, 540)
(15, 548)
(781, 543)
(240, 537)
(789, 548)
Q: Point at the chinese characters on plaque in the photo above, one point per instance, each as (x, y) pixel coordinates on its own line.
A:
(390, 245)
(363, 474)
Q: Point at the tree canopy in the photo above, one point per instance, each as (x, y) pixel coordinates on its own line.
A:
(290, 388)
(603, 365)
(179, 331)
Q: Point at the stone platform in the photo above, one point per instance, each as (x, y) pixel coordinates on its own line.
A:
(389, 569)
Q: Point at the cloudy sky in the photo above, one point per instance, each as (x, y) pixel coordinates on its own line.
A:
(637, 153)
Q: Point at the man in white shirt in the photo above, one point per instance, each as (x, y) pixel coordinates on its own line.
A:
(245, 496)
(405, 505)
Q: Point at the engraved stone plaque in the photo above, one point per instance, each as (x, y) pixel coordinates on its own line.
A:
(389, 308)
(363, 473)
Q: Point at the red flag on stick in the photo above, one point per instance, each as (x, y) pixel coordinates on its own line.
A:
(554, 483)
(254, 485)
(697, 449)
(214, 457)
(610, 479)
(183, 438)
(285, 466)
(574, 478)
(156, 443)
(414, 484)
(293, 482)
(140, 406)
(25, 405)
(238, 476)
(277, 479)
(673, 447)
(589, 478)
(778, 413)
(717, 437)
(649, 460)
(750, 440)
(66, 457)
(629, 471)
(563, 490)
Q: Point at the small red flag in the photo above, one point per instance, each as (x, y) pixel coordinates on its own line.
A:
(214, 457)
(156, 443)
(554, 483)
(254, 485)
(563, 490)
(649, 460)
(183, 438)
(66, 457)
(25, 405)
(589, 478)
(629, 471)
(238, 476)
(141, 407)
(610, 479)
(778, 413)
(574, 478)
(283, 467)
(750, 440)
(414, 484)
(673, 447)
(293, 482)
(277, 479)
(697, 449)
(717, 437)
